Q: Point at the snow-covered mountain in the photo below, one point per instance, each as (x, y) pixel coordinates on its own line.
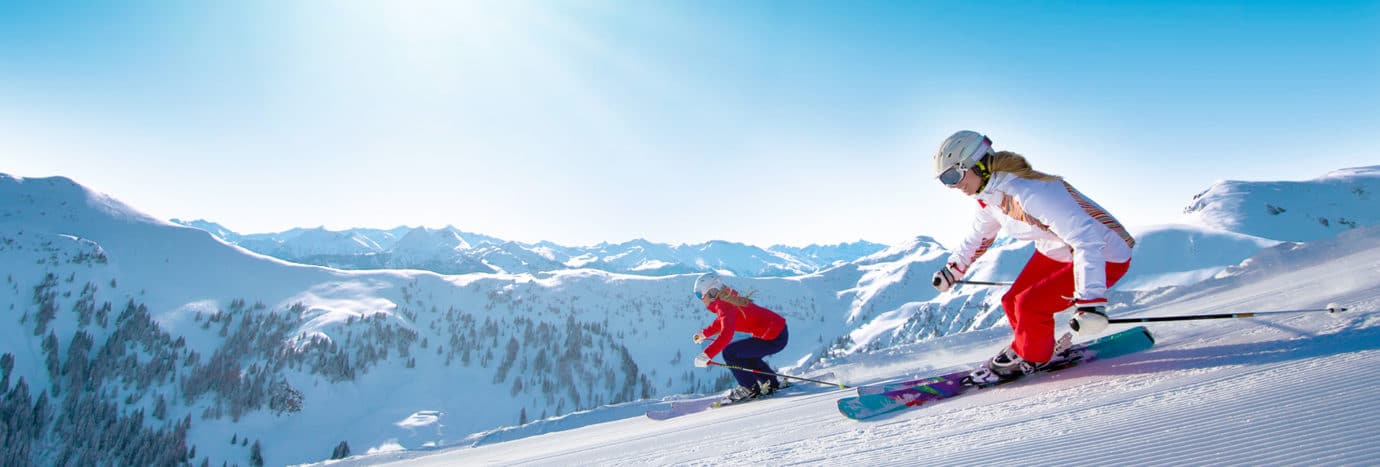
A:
(1293, 211)
(215, 229)
(822, 256)
(117, 321)
(451, 251)
(439, 250)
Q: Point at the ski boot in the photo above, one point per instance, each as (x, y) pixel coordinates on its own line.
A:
(1064, 354)
(768, 387)
(741, 393)
(1003, 367)
(1007, 365)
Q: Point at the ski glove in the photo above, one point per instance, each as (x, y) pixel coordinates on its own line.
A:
(945, 278)
(702, 361)
(1090, 317)
(698, 337)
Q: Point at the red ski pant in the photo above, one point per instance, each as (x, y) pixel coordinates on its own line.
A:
(1043, 289)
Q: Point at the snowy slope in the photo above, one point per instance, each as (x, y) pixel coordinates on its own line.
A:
(1176, 254)
(1287, 389)
(1292, 211)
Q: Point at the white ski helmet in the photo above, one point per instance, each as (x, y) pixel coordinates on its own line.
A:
(706, 282)
(959, 153)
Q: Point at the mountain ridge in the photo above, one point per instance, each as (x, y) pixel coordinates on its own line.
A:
(364, 248)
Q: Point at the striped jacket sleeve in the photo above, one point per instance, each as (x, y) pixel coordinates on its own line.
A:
(979, 239)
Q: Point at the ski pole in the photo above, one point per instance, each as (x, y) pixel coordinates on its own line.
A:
(1332, 308)
(936, 282)
(840, 385)
(982, 283)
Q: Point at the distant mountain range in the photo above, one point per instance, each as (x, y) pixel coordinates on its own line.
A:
(449, 250)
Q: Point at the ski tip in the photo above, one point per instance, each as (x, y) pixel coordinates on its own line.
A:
(847, 407)
(1149, 336)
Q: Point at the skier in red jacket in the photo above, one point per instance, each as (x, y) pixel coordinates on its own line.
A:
(737, 313)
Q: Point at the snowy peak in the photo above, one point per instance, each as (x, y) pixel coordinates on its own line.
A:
(443, 250)
(59, 201)
(218, 230)
(1292, 211)
(821, 256)
(424, 241)
(748, 260)
(513, 257)
(320, 241)
(919, 245)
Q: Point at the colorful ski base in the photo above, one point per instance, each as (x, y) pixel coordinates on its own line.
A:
(942, 387)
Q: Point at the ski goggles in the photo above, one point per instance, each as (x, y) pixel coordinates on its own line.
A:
(712, 294)
(952, 176)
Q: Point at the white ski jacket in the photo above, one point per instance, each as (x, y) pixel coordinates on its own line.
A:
(1065, 226)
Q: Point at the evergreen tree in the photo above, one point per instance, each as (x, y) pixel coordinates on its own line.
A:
(160, 408)
(341, 451)
(6, 366)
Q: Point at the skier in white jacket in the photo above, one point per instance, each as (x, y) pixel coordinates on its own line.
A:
(1080, 249)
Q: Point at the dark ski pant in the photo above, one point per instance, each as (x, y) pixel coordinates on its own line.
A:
(748, 353)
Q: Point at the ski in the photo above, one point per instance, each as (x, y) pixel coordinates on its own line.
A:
(901, 385)
(686, 407)
(1064, 343)
(923, 391)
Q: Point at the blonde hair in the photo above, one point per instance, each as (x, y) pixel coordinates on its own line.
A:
(731, 296)
(1015, 164)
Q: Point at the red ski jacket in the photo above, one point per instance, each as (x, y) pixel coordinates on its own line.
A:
(752, 319)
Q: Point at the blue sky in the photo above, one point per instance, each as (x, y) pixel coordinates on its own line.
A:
(588, 121)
